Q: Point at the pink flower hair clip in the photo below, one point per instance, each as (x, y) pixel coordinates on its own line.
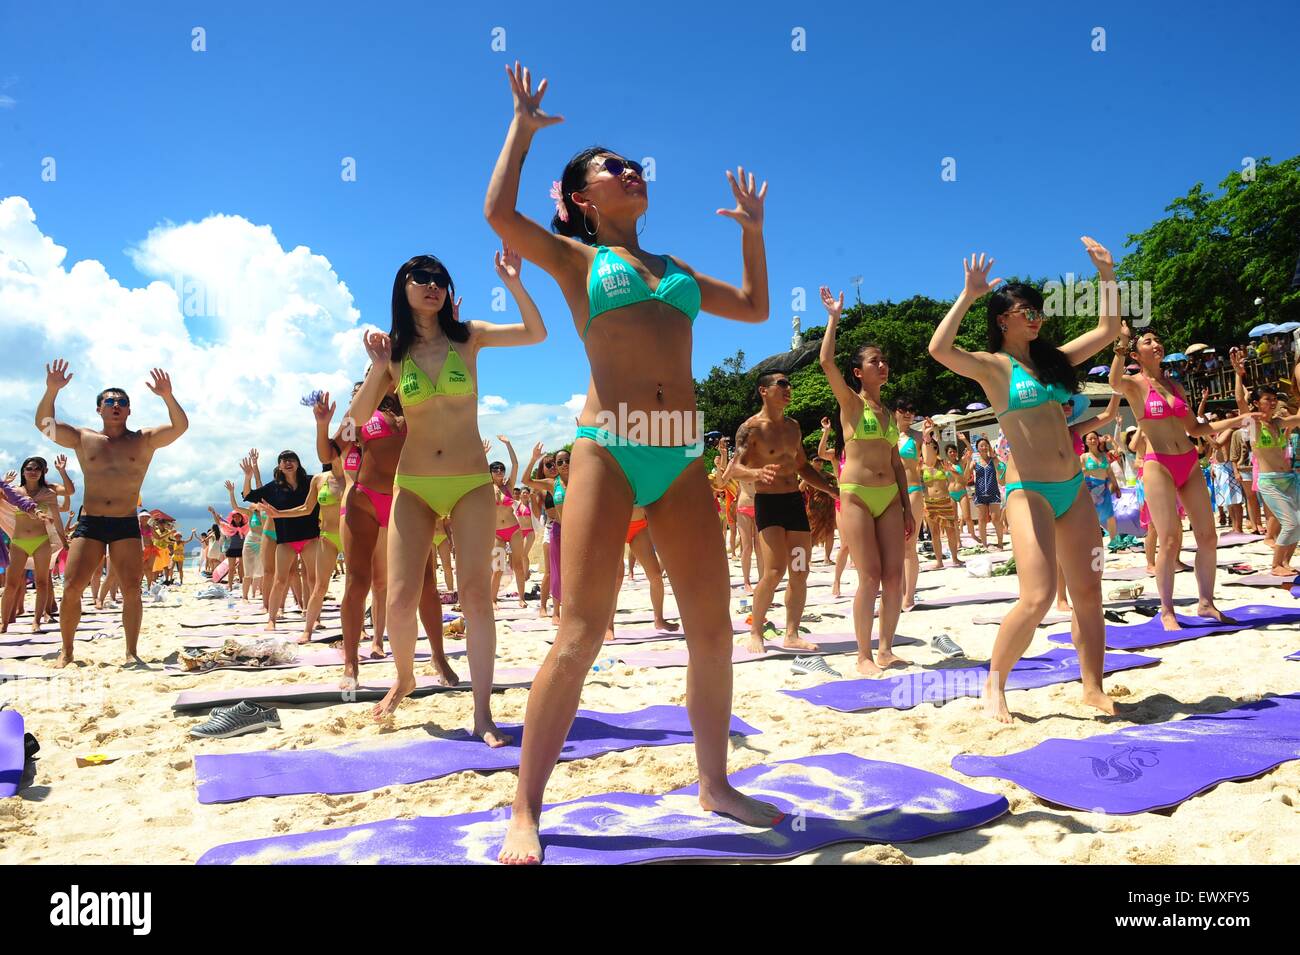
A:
(558, 195)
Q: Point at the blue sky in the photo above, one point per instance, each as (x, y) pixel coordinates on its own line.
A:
(1051, 141)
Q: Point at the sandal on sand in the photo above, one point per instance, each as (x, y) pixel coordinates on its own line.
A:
(1128, 592)
(1240, 568)
(1146, 610)
(1114, 616)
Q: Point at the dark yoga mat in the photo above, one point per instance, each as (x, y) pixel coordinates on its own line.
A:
(13, 755)
(369, 691)
(939, 686)
(1152, 767)
(827, 800)
(1294, 656)
(1151, 633)
(362, 767)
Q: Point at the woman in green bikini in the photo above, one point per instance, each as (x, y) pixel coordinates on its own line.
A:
(875, 514)
(634, 311)
(1026, 379)
(960, 459)
(443, 469)
(30, 539)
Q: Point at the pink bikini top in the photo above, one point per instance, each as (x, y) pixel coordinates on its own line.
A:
(1155, 406)
(523, 510)
(1079, 446)
(352, 461)
(377, 427)
(507, 499)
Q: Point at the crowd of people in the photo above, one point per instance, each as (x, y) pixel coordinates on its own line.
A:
(405, 484)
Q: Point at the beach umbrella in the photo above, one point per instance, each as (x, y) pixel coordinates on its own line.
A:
(1288, 327)
(1193, 349)
(976, 406)
(158, 515)
(1176, 356)
(1099, 370)
(1268, 328)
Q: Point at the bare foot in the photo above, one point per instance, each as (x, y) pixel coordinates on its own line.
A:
(305, 638)
(732, 802)
(443, 671)
(797, 642)
(867, 667)
(1099, 699)
(1151, 570)
(132, 660)
(1206, 608)
(489, 733)
(886, 659)
(755, 644)
(663, 626)
(835, 590)
(62, 661)
(522, 845)
(523, 604)
(907, 607)
(385, 708)
(377, 651)
(995, 702)
(543, 612)
(1062, 607)
(749, 588)
(350, 677)
(1169, 620)
(938, 565)
(609, 635)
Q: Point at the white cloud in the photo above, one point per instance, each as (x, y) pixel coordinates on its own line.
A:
(7, 102)
(244, 327)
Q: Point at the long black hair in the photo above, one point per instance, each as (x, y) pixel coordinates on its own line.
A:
(278, 475)
(402, 333)
(855, 361)
(574, 179)
(44, 466)
(1050, 363)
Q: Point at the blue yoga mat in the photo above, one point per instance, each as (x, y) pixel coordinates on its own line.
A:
(827, 799)
(1152, 767)
(13, 755)
(940, 686)
(361, 767)
(1151, 633)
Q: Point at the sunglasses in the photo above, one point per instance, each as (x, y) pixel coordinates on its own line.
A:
(782, 383)
(115, 403)
(560, 464)
(1031, 314)
(498, 469)
(33, 467)
(616, 167)
(548, 464)
(430, 277)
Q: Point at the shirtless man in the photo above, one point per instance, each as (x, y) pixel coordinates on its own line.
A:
(769, 453)
(113, 462)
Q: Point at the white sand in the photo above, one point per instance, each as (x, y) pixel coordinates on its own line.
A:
(143, 807)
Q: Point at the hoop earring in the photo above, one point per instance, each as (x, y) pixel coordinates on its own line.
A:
(644, 217)
(587, 225)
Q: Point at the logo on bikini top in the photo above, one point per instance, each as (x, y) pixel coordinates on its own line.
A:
(409, 385)
(374, 426)
(1027, 390)
(1156, 406)
(457, 376)
(615, 279)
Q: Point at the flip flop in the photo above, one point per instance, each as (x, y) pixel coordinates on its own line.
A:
(1114, 616)
(1146, 610)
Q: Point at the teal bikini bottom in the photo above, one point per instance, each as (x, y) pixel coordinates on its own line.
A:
(649, 470)
(1059, 494)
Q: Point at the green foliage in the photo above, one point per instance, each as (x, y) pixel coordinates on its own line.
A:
(726, 397)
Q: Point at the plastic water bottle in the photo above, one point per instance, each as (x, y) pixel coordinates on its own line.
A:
(744, 605)
(606, 664)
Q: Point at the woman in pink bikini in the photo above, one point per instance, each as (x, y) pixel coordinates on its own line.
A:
(749, 554)
(1169, 467)
(508, 531)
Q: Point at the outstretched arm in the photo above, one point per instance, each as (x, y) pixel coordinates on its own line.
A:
(57, 377)
(161, 385)
(308, 505)
(537, 484)
(67, 488)
(378, 380)
(1238, 359)
(943, 348)
(323, 412)
(1079, 350)
(531, 330)
(749, 303)
(845, 395)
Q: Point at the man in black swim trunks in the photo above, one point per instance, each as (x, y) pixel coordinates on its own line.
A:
(113, 462)
(769, 452)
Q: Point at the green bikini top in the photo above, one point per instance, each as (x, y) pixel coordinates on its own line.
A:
(1267, 439)
(933, 474)
(614, 283)
(907, 449)
(558, 494)
(326, 497)
(1092, 464)
(868, 428)
(416, 387)
(1026, 391)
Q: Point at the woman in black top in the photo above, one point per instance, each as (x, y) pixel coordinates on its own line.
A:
(295, 536)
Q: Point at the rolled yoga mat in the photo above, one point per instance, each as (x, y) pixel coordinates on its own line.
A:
(369, 691)
(373, 764)
(13, 754)
(940, 686)
(1143, 768)
(826, 799)
(1151, 633)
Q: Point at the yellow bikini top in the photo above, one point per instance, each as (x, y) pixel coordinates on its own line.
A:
(416, 387)
(868, 428)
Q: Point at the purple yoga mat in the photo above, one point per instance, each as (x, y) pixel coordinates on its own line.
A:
(23, 651)
(1259, 580)
(827, 800)
(13, 755)
(505, 678)
(939, 686)
(994, 596)
(1151, 633)
(362, 767)
(21, 639)
(1128, 573)
(1051, 620)
(826, 643)
(1294, 656)
(1142, 768)
(1230, 539)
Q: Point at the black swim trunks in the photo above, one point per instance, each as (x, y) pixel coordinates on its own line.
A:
(106, 530)
(780, 510)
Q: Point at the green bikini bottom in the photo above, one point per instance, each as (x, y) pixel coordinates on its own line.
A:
(1059, 494)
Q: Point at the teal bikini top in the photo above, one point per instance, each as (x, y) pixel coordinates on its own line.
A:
(1027, 392)
(907, 449)
(558, 494)
(614, 284)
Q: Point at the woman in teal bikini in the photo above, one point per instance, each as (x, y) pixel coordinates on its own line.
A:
(875, 514)
(443, 470)
(1028, 378)
(634, 312)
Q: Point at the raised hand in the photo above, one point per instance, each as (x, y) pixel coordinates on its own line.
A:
(749, 201)
(378, 347)
(528, 104)
(230, 487)
(160, 383)
(833, 307)
(538, 450)
(61, 462)
(487, 445)
(252, 458)
(57, 375)
(11, 476)
(455, 309)
(1101, 257)
(977, 275)
(826, 423)
(324, 408)
(507, 263)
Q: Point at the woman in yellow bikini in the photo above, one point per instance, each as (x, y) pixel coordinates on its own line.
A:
(634, 312)
(875, 516)
(940, 508)
(443, 469)
(31, 539)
